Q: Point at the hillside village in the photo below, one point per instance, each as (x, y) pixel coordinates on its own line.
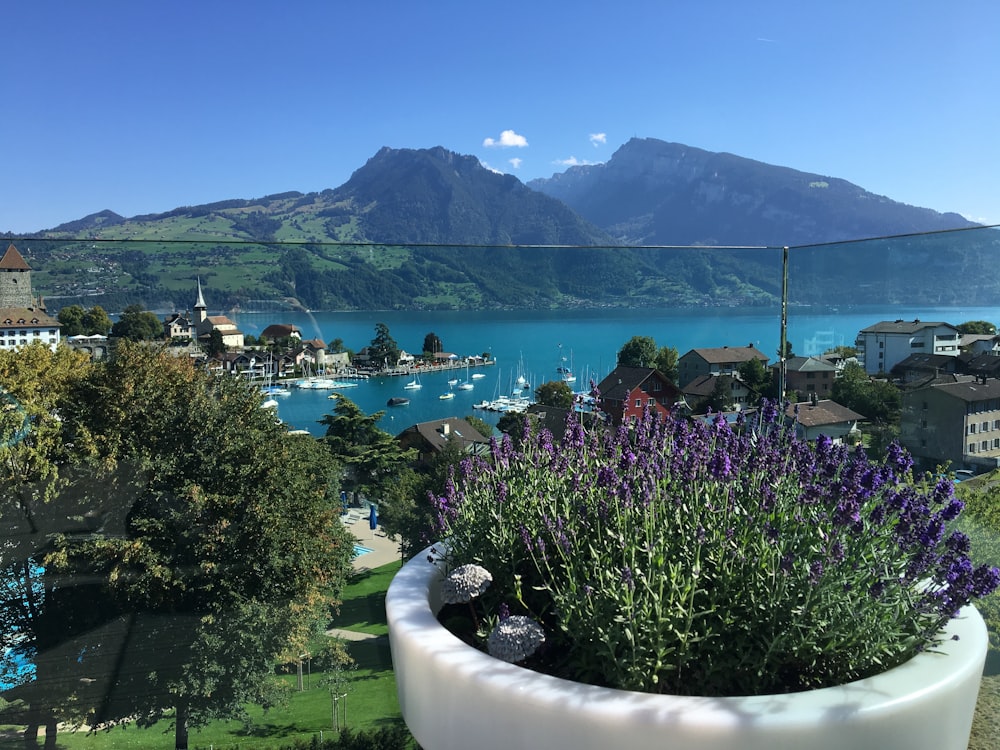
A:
(948, 382)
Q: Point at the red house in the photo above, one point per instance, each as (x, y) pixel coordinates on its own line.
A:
(627, 391)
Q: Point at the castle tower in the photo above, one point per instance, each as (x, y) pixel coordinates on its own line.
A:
(15, 281)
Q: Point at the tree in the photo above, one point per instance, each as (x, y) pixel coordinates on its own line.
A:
(721, 397)
(483, 427)
(71, 320)
(666, 362)
(370, 456)
(555, 393)
(843, 351)
(97, 322)
(432, 344)
(40, 611)
(982, 327)
(756, 377)
(137, 324)
(383, 348)
(336, 346)
(216, 344)
(877, 400)
(230, 551)
(785, 352)
(638, 351)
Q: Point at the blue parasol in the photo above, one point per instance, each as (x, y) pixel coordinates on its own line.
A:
(372, 517)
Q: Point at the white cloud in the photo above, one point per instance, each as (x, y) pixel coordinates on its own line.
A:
(515, 162)
(598, 139)
(572, 162)
(487, 166)
(508, 139)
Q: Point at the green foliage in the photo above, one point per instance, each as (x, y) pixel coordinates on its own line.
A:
(370, 455)
(555, 393)
(978, 327)
(483, 427)
(137, 324)
(722, 581)
(432, 344)
(76, 321)
(721, 397)
(981, 521)
(220, 550)
(216, 344)
(638, 351)
(383, 349)
(877, 400)
(666, 362)
(843, 351)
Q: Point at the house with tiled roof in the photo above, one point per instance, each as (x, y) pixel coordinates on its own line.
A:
(23, 319)
(626, 392)
(808, 375)
(277, 331)
(430, 438)
(823, 417)
(918, 367)
(884, 345)
(738, 394)
(724, 360)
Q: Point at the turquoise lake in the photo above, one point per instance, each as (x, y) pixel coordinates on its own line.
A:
(535, 342)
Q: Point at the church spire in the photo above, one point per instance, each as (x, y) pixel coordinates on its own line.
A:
(200, 308)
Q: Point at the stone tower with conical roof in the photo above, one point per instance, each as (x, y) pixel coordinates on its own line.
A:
(15, 281)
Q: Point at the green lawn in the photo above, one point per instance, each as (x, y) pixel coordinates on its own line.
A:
(370, 703)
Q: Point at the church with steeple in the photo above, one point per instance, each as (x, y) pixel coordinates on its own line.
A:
(23, 319)
(199, 325)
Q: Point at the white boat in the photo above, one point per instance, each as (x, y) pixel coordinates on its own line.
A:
(478, 375)
(413, 384)
(269, 404)
(446, 396)
(453, 381)
(465, 385)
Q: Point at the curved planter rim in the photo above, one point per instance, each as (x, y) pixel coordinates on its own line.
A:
(454, 696)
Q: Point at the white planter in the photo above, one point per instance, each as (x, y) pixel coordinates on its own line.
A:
(454, 697)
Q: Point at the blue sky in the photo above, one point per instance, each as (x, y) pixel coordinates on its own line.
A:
(140, 107)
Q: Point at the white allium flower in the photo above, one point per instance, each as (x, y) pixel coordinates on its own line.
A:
(465, 583)
(515, 639)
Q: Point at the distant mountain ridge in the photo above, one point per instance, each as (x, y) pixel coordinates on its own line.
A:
(432, 229)
(660, 193)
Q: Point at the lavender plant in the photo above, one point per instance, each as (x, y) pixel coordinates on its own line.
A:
(704, 559)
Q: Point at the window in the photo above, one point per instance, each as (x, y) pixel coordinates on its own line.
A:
(638, 403)
(657, 386)
(996, 443)
(984, 427)
(996, 424)
(985, 445)
(972, 447)
(651, 401)
(925, 406)
(972, 428)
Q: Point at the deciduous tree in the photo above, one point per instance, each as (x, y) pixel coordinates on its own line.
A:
(229, 553)
(638, 351)
(555, 393)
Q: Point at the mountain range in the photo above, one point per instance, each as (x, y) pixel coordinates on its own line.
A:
(429, 228)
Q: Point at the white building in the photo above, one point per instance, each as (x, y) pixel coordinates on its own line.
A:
(884, 345)
(23, 319)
